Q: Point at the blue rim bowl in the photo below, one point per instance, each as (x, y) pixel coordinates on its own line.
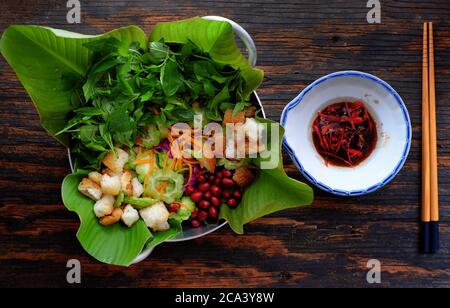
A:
(348, 193)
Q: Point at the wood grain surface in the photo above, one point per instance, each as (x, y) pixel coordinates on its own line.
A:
(326, 245)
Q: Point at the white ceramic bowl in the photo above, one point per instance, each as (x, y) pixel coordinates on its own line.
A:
(393, 126)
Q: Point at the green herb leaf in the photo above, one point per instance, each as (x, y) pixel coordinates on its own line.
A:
(41, 56)
(171, 79)
(159, 51)
(214, 38)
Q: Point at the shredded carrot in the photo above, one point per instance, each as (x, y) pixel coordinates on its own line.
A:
(176, 146)
(141, 161)
(190, 161)
(165, 161)
(146, 160)
(152, 164)
(190, 175)
(172, 164)
(162, 187)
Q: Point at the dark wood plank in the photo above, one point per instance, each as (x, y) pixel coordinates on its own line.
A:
(327, 244)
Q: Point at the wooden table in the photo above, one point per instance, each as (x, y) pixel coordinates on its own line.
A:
(326, 245)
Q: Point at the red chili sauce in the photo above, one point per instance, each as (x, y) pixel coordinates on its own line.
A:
(345, 134)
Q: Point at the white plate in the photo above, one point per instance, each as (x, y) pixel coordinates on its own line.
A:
(393, 126)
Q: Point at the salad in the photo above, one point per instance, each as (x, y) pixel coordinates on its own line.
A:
(163, 131)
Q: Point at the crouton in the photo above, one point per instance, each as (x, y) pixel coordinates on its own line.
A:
(127, 186)
(138, 188)
(95, 177)
(250, 112)
(111, 185)
(229, 118)
(111, 219)
(104, 206)
(130, 215)
(162, 227)
(115, 160)
(155, 215)
(108, 172)
(90, 189)
(243, 177)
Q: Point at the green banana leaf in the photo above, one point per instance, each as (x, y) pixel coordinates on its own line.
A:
(214, 38)
(51, 65)
(114, 244)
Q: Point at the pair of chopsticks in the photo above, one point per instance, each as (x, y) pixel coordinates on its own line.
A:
(430, 196)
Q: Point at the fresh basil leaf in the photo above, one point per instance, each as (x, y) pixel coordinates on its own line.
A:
(209, 88)
(147, 96)
(124, 76)
(158, 51)
(89, 135)
(106, 135)
(89, 111)
(90, 87)
(213, 115)
(238, 107)
(207, 69)
(222, 96)
(105, 65)
(171, 79)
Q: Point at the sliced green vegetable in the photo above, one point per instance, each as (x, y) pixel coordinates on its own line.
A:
(187, 203)
(139, 203)
(119, 199)
(186, 209)
(165, 185)
(143, 169)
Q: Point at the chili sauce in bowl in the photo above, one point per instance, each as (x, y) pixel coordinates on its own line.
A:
(344, 134)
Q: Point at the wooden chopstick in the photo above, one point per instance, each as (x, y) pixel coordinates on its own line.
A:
(434, 195)
(430, 185)
(426, 200)
(433, 135)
